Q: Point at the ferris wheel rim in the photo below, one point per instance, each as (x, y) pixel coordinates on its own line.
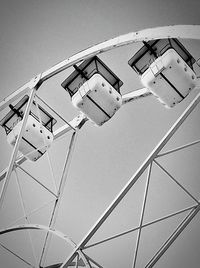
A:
(38, 227)
(175, 31)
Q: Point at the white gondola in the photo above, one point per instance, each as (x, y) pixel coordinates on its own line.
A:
(166, 69)
(95, 90)
(36, 139)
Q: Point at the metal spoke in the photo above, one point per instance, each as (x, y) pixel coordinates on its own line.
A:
(55, 112)
(142, 215)
(85, 259)
(47, 153)
(31, 213)
(36, 180)
(77, 260)
(16, 147)
(93, 261)
(173, 237)
(59, 197)
(137, 228)
(178, 148)
(25, 215)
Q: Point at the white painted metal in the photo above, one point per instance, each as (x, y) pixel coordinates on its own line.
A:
(38, 227)
(173, 237)
(133, 179)
(16, 147)
(59, 197)
(21, 91)
(179, 148)
(169, 78)
(34, 137)
(181, 31)
(36, 180)
(142, 215)
(97, 99)
(176, 31)
(74, 124)
(25, 215)
(135, 95)
(137, 228)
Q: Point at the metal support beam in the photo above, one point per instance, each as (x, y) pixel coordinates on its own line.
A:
(143, 226)
(76, 123)
(14, 96)
(34, 82)
(59, 197)
(142, 215)
(36, 180)
(16, 147)
(177, 182)
(173, 237)
(179, 148)
(38, 227)
(135, 95)
(133, 179)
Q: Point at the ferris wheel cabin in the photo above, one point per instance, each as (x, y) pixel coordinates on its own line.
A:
(94, 90)
(166, 69)
(36, 139)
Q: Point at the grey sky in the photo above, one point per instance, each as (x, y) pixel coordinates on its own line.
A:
(35, 35)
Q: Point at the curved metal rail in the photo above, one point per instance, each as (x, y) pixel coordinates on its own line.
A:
(177, 31)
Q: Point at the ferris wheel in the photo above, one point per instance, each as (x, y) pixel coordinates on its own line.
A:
(38, 137)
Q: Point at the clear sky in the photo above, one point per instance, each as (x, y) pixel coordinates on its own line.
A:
(35, 35)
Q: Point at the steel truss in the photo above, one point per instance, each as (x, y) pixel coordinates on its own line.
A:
(78, 257)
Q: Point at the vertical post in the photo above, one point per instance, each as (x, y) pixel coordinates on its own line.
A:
(59, 197)
(16, 147)
(142, 215)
